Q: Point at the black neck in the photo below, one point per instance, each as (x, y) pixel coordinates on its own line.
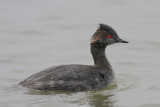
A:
(99, 56)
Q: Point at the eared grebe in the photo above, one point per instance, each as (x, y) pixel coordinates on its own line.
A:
(80, 77)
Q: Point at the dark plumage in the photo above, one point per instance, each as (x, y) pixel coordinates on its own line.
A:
(80, 77)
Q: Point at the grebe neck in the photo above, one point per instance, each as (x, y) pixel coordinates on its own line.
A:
(99, 56)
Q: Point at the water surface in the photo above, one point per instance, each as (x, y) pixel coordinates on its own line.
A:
(37, 34)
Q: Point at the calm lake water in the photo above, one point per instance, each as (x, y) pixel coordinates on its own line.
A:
(37, 34)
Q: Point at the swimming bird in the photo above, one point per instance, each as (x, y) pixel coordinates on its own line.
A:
(75, 77)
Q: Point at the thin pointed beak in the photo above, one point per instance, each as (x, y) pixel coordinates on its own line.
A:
(121, 41)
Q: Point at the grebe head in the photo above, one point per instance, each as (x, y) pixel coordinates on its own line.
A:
(106, 35)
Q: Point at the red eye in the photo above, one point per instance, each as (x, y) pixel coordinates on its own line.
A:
(109, 36)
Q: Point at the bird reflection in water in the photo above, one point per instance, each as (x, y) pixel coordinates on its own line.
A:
(99, 98)
(102, 100)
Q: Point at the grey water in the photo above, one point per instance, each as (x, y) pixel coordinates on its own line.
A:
(37, 34)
